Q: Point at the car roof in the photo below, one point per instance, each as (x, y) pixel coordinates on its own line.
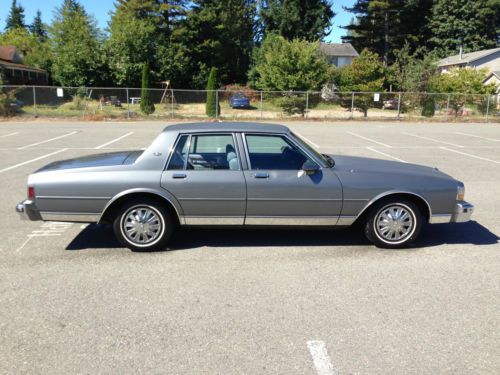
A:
(245, 127)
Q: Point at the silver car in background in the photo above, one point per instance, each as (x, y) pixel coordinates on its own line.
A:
(241, 174)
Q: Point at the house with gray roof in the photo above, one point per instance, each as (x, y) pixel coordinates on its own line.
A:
(338, 54)
(486, 59)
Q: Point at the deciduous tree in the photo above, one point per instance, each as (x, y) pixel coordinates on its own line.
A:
(284, 65)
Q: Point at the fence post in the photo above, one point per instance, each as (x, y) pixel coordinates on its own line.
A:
(307, 102)
(128, 104)
(488, 108)
(352, 105)
(399, 106)
(261, 99)
(34, 101)
(448, 106)
(172, 100)
(216, 104)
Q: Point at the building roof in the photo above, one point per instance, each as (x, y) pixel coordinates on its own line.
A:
(9, 53)
(27, 68)
(9, 58)
(338, 49)
(495, 73)
(252, 127)
(467, 58)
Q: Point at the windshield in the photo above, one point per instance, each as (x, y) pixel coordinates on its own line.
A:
(327, 159)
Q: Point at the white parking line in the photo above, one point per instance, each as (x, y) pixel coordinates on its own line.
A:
(8, 135)
(470, 155)
(432, 139)
(383, 153)
(32, 160)
(478, 136)
(320, 357)
(368, 139)
(48, 140)
(307, 140)
(113, 141)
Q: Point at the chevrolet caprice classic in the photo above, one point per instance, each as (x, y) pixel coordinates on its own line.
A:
(241, 174)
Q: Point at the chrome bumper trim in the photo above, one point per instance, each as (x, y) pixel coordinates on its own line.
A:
(213, 220)
(70, 217)
(440, 219)
(291, 220)
(463, 212)
(28, 211)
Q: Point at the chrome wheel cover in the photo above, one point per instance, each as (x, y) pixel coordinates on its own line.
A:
(142, 225)
(395, 223)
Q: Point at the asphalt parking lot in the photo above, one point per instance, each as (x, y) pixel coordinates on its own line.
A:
(249, 301)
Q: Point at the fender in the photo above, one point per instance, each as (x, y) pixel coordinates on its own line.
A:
(161, 193)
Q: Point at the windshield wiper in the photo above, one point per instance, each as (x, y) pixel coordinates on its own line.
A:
(329, 159)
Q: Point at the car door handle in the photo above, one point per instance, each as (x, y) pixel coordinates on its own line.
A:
(261, 175)
(179, 175)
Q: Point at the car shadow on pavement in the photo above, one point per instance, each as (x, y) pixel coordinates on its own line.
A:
(102, 237)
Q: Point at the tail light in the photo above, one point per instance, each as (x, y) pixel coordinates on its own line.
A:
(31, 192)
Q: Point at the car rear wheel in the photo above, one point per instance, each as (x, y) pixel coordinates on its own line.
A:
(143, 226)
(393, 224)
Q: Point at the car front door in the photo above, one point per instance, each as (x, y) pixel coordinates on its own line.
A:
(279, 192)
(204, 173)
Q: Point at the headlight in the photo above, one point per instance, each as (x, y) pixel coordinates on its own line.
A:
(461, 193)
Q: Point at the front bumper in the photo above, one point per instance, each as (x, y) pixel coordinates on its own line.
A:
(27, 210)
(463, 212)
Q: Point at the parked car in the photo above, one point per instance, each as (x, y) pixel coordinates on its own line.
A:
(239, 100)
(241, 174)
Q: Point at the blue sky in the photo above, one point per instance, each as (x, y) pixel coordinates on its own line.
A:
(100, 10)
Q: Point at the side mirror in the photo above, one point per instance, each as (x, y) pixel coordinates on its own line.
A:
(310, 167)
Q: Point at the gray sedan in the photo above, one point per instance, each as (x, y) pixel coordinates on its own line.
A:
(241, 174)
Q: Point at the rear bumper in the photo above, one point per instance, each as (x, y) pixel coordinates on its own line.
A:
(27, 210)
(463, 212)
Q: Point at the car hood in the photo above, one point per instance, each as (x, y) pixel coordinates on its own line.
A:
(98, 160)
(369, 165)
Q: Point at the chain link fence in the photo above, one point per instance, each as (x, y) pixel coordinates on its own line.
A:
(96, 103)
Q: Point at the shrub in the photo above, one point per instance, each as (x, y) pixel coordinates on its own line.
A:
(8, 105)
(428, 106)
(147, 105)
(292, 104)
(212, 108)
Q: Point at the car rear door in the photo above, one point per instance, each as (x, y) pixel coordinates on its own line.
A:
(204, 173)
(279, 192)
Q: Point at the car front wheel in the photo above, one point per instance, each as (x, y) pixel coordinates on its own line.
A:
(393, 224)
(143, 226)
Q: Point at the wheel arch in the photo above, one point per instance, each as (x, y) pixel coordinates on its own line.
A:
(112, 206)
(419, 200)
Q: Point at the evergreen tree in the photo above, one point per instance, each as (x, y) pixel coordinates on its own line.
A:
(219, 33)
(37, 28)
(304, 19)
(463, 23)
(76, 44)
(385, 26)
(140, 29)
(15, 18)
(147, 105)
(212, 109)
